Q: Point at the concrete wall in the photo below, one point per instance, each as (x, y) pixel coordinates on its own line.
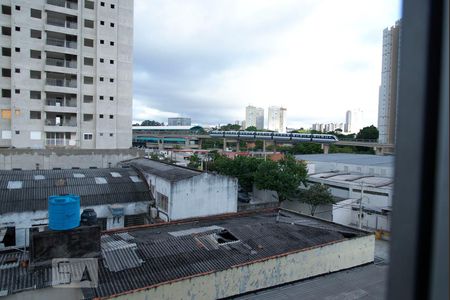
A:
(48, 294)
(203, 195)
(321, 167)
(266, 273)
(24, 220)
(26, 159)
(322, 211)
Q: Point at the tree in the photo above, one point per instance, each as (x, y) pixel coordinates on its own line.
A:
(251, 128)
(228, 127)
(368, 133)
(316, 195)
(194, 161)
(283, 176)
(136, 124)
(151, 123)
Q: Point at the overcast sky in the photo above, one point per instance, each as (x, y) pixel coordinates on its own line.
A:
(208, 59)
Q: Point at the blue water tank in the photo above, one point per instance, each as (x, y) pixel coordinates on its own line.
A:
(63, 212)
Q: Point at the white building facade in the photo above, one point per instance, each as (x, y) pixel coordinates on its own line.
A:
(254, 116)
(387, 103)
(66, 73)
(276, 119)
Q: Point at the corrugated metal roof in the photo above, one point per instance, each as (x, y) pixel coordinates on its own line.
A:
(159, 256)
(34, 192)
(167, 171)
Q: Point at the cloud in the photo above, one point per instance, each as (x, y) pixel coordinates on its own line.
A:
(209, 59)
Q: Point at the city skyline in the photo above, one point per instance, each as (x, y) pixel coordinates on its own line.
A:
(207, 62)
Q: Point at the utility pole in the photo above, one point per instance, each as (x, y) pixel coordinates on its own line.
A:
(360, 206)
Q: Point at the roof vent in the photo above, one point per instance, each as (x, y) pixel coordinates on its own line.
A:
(225, 237)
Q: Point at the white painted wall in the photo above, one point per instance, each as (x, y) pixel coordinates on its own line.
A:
(203, 195)
(266, 273)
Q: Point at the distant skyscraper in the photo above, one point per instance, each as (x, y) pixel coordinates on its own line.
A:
(348, 121)
(254, 116)
(179, 121)
(277, 119)
(387, 104)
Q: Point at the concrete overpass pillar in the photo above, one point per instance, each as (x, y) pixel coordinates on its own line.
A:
(264, 149)
(224, 144)
(237, 146)
(326, 148)
(379, 150)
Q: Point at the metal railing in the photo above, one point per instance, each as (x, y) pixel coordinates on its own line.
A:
(62, 23)
(60, 142)
(61, 102)
(52, 122)
(61, 82)
(61, 62)
(61, 43)
(63, 3)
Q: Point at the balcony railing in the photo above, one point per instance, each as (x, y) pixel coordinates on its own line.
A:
(53, 122)
(61, 82)
(63, 3)
(61, 62)
(62, 23)
(61, 102)
(61, 43)
(60, 142)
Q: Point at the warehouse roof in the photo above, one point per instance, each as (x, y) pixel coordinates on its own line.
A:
(164, 170)
(29, 190)
(156, 254)
(352, 159)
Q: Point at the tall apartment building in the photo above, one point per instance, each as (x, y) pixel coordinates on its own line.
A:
(179, 121)
(66, 76)
(277, 119)
(254, 116)
(387, 103)
(348, 121)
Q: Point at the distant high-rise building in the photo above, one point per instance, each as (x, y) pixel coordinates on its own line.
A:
(254, 116)
(179, 121)
(387, 104)
(277, 119)
(348, 121)
(67, 70)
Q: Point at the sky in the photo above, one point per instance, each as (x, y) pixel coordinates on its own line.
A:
(209, 59)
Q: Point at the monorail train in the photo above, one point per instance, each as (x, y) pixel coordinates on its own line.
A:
(275, 136)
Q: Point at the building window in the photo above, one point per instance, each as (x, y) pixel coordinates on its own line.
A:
(112, 6)
(102, 60)
(17, 132)
(88, 117)
(17, 49)
(88, 80)
(111, 24)
(6, 72)
(88, 99)
(162, 202)
(89, 4)
(88, 42)
(88, 61)
(35, 54)
(102, 79)
(87, 136)
(36, 13)
(35, 115)
(88, 23)
(100, 97)
(6, 10)
(17, 28)
(111, 134)
(6, 114)
(17, 112)
(111, 43)
(102, 42)
(102, 22)
(111, 116)
(101, 133)
(17, 70)
(102, 3)
(6, 51)
(35, 95)
(111, 80)
(17, 91)
(6, 30)
(101, 116)
(6, 93)
(35, 34)
(35, 74)
(17, 7)
(111, 98)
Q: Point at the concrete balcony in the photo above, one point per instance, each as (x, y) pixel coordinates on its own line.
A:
(62, 6)
(60, 84)
(60, 65)
(61, 105)
(61, 46)
(52, 125)
(61, 143)
(62, 26)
